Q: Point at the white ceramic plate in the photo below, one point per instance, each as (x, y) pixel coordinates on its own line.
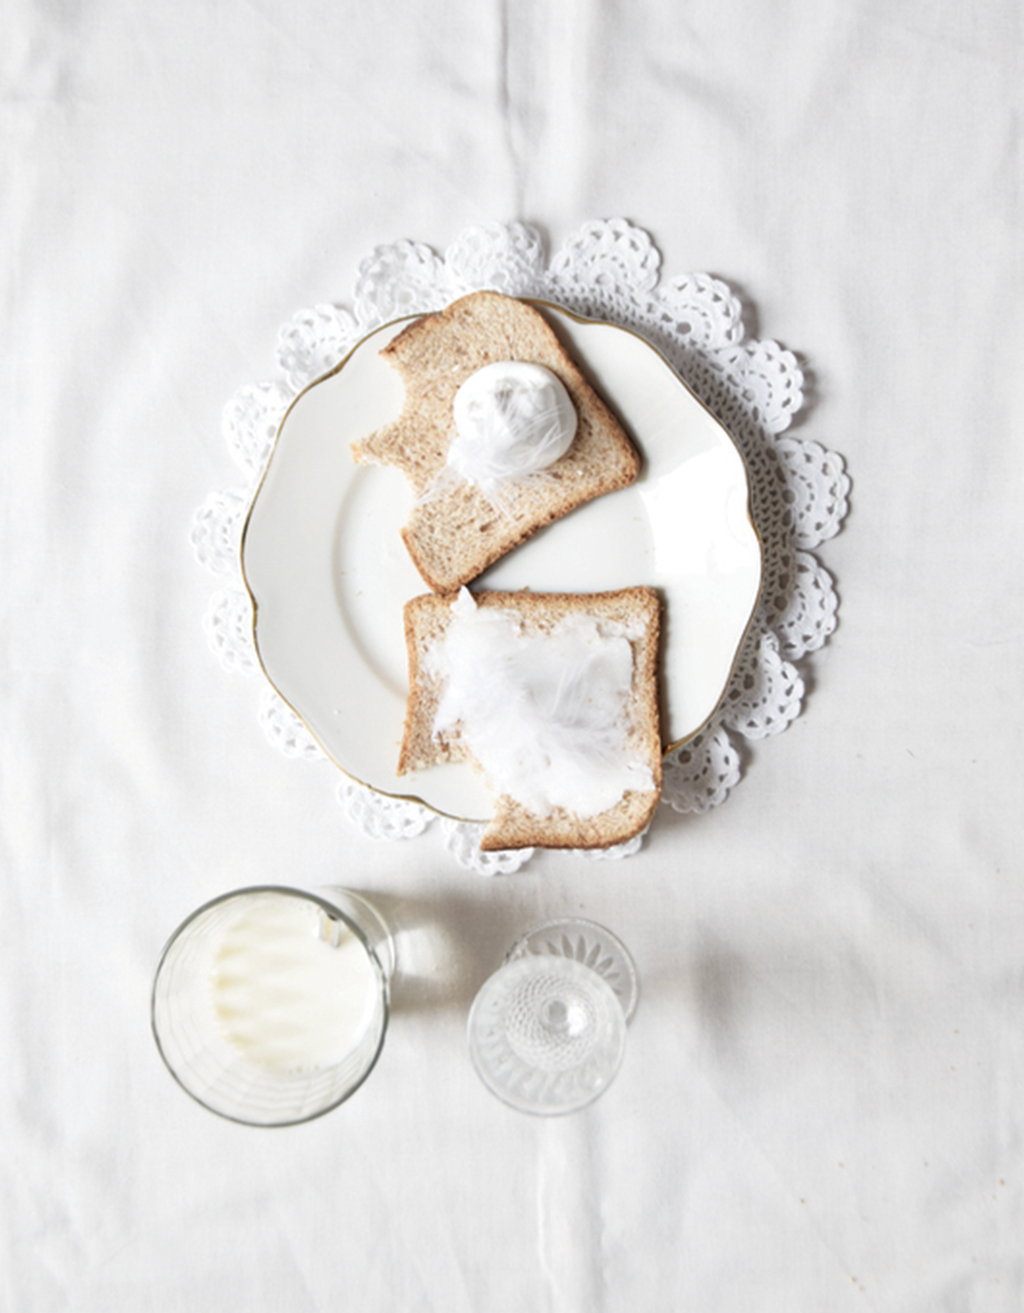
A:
(329, 574)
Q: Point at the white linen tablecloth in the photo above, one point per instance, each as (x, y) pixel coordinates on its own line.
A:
(820, 1106)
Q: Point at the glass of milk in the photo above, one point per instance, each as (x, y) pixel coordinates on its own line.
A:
(270, 1004)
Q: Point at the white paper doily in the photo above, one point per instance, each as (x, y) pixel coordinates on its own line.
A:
(608, 270)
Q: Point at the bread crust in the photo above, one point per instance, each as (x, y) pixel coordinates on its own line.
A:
(455, 535)
(512, 825)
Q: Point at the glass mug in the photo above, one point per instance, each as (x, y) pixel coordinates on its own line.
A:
(270, 1004)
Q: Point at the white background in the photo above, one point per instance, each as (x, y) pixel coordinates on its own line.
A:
(821, 1105)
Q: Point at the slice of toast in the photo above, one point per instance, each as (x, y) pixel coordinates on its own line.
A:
(455, 532)
(561, 703)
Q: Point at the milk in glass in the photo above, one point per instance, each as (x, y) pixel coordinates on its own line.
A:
(293, 988)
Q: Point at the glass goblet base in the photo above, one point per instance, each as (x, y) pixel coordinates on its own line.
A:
(547, 1031)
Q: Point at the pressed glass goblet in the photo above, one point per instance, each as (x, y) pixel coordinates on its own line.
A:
(547, 1032)
(270, 1004)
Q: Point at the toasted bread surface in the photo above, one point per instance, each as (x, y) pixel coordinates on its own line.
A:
(632, 611)
(456, 534)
